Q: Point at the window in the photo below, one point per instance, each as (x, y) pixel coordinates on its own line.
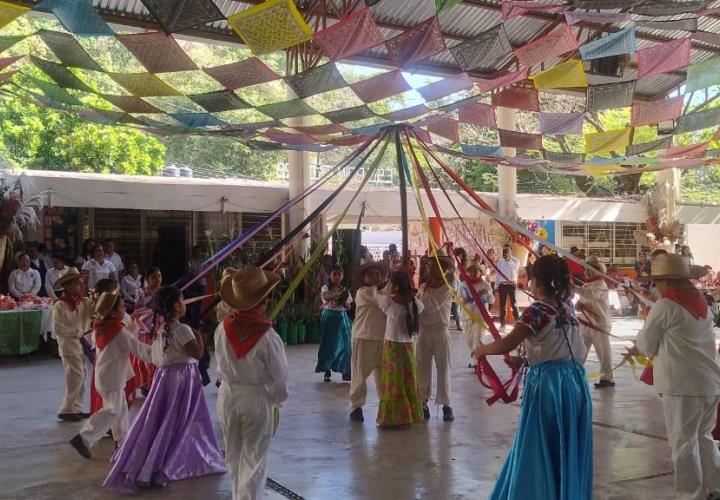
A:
(610, 242)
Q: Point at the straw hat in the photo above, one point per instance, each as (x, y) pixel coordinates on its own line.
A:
(71, 273)
(105, 304)
(357, 276)
(671, 266)
(595, 262)
(245, 288)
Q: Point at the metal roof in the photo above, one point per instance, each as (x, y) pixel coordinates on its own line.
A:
(459, 23)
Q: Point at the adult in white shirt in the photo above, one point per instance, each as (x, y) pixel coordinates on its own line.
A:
(24, 280)
(508, 268)
(131, 284)
(53, 274)
(112, 256)
(99, 268)
(679, 334)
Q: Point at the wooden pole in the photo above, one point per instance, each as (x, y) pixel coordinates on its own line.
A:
(403, 196)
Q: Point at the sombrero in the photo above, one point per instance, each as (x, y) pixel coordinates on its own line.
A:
(70, 274)
(672, 266)
(105, 304)
(243, 289)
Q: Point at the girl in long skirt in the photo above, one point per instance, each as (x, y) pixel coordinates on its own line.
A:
(551, 457)
(172, 437)
(399, 401)
(334, 352)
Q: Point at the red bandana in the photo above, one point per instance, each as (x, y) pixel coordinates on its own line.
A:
(72, 302)
(473, 281)
(106, 331)
(691, 299)
(244, 329)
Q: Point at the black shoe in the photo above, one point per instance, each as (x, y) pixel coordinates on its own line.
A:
(357, 415)
(70, 417)
(346, 377)
(604, 384)
(448, 414)
(426, 412)
(472, 366)
(84, 415)
(78, 444)
(217, 383)
(327, 376)
(144, 392)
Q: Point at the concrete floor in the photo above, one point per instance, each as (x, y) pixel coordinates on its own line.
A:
(319, 455)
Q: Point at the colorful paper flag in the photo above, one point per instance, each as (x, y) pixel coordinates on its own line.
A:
(446, 87)
(698, 120)
(416, 44)
(68, 50)
(558, 42)
(381, 86)
(441, 5)
(407, 113)
(524, 98)
(645, 147)
(271, 26)
(477, 150)
(562, 123)
(652, 112)
(79, 17)
(663, 57)
(692, 150)
(477, 113)
(143, 84)
(703, 74)
(158, 52)
(316, 80)
(352, 35)
(511, 9)
(444, 126)
(183, 14)
(610, 96)
(503, 81)
(522, 140)
(614, 44)
(569, 74)
(574, 17)
(9, 12)
(243, 73)
(609, 141)
(483, 52)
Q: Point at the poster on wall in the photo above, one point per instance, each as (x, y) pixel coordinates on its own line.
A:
(465, 235)
(546, 230)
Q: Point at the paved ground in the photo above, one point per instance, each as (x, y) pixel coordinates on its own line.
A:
(319, 455)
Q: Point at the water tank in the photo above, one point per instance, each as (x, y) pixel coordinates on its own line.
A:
(186, 172)
(171, 171)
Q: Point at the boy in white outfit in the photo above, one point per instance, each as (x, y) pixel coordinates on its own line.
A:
(368, 335)
(114, 340)
(434, 337)
(476, 279)
(594, 303)
(253, 368)
(678, 332)
(70, 323)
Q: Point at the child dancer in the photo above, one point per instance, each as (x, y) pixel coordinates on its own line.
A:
(399, 402)
(434, 339)
(172, 437)
(114, 341)
(368, 332)
(144, 372)
(551, 457)
(251, 361)
(594, 303)
(678, 333)
(70, 322)
(335, 351)
(476, 272)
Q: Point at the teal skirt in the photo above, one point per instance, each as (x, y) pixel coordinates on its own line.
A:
(334, 353)
(552, 455)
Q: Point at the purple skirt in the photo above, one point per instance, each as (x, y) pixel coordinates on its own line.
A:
(172, 437)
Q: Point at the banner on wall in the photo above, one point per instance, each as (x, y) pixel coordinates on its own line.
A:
(459, 234)
(546, 230)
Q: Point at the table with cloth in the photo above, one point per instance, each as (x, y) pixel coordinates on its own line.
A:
(20, 330)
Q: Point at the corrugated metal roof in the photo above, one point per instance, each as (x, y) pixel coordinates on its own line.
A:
(458, 23)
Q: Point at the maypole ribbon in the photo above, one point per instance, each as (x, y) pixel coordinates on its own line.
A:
(321, 246)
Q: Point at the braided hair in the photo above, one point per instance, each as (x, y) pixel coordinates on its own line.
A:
(401, 282)
(165, 300)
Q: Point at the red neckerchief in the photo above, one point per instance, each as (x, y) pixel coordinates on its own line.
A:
(72, 302)
(691, 299)
(473, 281)
(244, 329)
(106, 331)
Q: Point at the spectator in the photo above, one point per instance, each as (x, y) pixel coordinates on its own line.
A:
(545, 250)
(112, 256)
(24, 280)
(196, 289)
(642, 265)
(365, 255)
(687, 255)
(86, 254)
(37, 262)
(577, 271)
(131, 284)
(98, 268)
(491, 258)
(58, 268)
(508, 268)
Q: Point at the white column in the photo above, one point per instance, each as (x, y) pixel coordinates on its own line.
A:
(667, 195)
(507, 176)
(298, 180)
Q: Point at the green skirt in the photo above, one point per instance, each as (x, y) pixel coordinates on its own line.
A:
(399, 402)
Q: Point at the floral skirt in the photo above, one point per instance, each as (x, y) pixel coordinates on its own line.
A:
(399, 402)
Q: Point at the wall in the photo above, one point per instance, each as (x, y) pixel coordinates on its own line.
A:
(703, 241)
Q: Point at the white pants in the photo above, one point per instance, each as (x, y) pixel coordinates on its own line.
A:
(366, 359)
(433, 343)
(603, 349)
(689, 422)
(112, 416)
(245, 416)
(74, 384)
(473, 336)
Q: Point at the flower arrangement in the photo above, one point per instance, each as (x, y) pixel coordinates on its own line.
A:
(17, 212)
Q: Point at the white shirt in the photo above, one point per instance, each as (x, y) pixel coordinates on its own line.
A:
(116, 261)
(330, 303)
(436, 311)
(51, 277)
(396, 324)
(129, 287)
(595, 297)
(69, 326)
(551, 338)
(24, 282)
(685, 360)
(99, 272)
(508, 270)
(179, 335)
(369, 323)
(112, 365)
(264, 366)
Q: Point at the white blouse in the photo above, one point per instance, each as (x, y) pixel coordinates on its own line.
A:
(98, 272)
(396, 324)
(24, 282)
(51, 277)
(130, 287)
(437, 302)
(112, 366)
(179, 335)
(330, 303)
(369, 323)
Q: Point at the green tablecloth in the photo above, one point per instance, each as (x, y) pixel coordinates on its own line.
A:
(20, 332)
